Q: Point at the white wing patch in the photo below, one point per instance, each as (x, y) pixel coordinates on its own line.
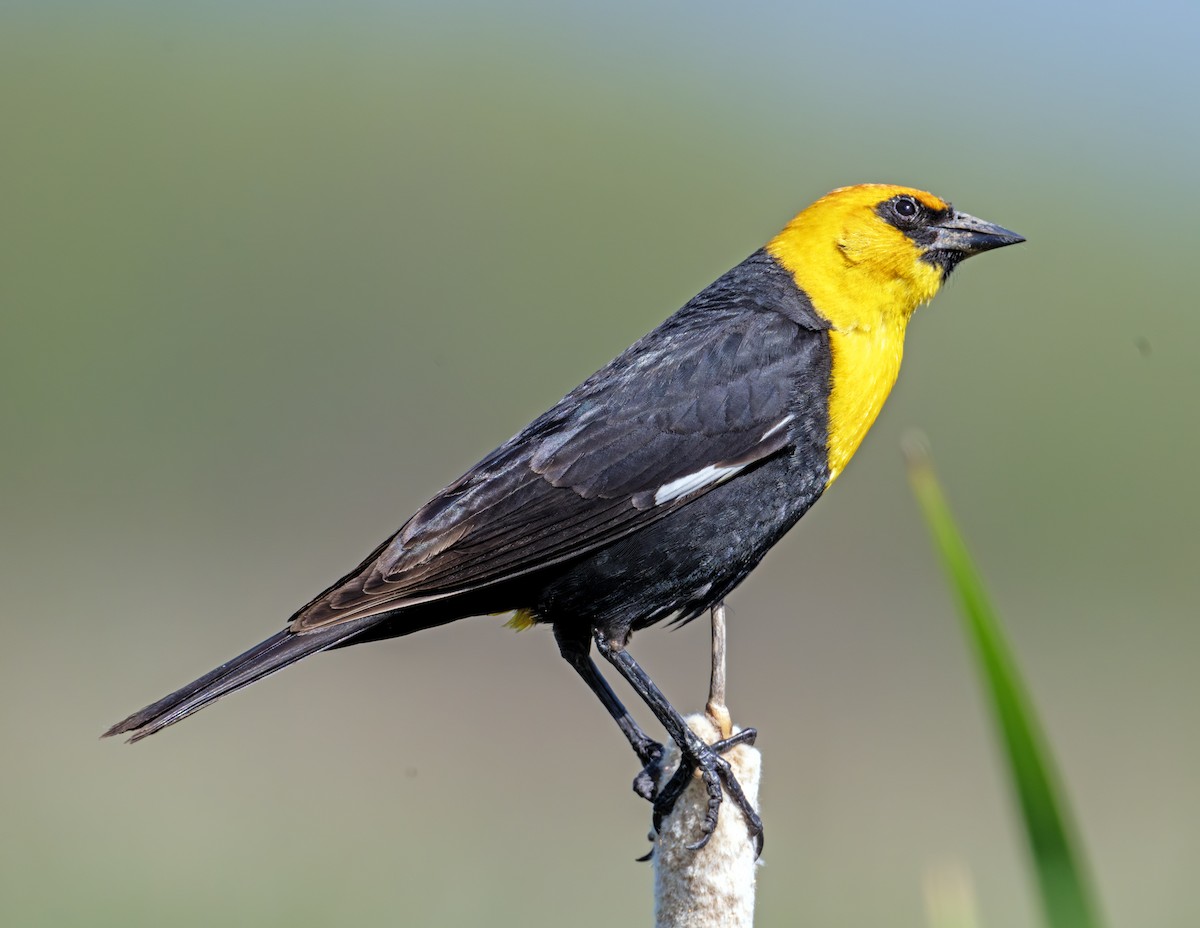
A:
(712, 474)
(777, 426)
(689, 483)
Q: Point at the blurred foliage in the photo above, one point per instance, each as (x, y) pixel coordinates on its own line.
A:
(1065, 893)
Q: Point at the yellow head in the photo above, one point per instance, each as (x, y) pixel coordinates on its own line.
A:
(867, 257)
(874, 251)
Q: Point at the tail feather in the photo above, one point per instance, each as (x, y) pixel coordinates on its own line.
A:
(264, 658)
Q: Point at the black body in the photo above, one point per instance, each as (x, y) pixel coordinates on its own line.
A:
(652, 489)
(566, 521)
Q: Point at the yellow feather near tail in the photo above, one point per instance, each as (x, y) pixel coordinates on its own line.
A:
(521, 620)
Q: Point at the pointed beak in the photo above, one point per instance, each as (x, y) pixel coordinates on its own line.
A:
(965, 235)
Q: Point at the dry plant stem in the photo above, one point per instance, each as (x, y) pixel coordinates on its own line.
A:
(716, 709)
(712, 887)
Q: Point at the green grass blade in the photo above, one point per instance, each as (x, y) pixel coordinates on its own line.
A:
(1066, 895)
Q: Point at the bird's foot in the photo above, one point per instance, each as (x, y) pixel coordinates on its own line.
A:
(645, 784)
(716, 773)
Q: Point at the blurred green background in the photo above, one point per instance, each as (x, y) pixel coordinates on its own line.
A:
(271, 274)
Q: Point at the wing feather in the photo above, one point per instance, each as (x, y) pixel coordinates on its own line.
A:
(692, 404)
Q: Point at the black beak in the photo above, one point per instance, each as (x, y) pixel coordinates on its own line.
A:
(969, 236)
(961, 236)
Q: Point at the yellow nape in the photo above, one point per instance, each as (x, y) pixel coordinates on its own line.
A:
(521, 620)
(866, 278)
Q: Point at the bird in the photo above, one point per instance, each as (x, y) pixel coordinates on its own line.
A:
(649, 492)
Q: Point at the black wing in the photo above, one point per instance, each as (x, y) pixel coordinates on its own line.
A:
(690, 405)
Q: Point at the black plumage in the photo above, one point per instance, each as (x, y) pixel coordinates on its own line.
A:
(562, 521)
(648, 492)
(729, 381)
(652, 489)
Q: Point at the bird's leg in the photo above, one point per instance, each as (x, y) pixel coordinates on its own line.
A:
(649, 751)
(694, 753)
(715, 709)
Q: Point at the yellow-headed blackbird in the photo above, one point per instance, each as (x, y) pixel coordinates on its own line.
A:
(653, 488)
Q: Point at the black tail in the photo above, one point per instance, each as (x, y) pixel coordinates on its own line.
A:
(264, 658)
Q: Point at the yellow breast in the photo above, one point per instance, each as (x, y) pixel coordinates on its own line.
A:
(865, 367)
(865, 277)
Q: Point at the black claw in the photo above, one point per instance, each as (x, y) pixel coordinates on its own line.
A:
(665, 801)
(746, 736)
(650, 753)
(716, 773)
(754, 824)
(645, 784)
(695, 754)
(713, 769)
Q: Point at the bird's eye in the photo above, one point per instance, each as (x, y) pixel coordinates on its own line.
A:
(906, 207)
